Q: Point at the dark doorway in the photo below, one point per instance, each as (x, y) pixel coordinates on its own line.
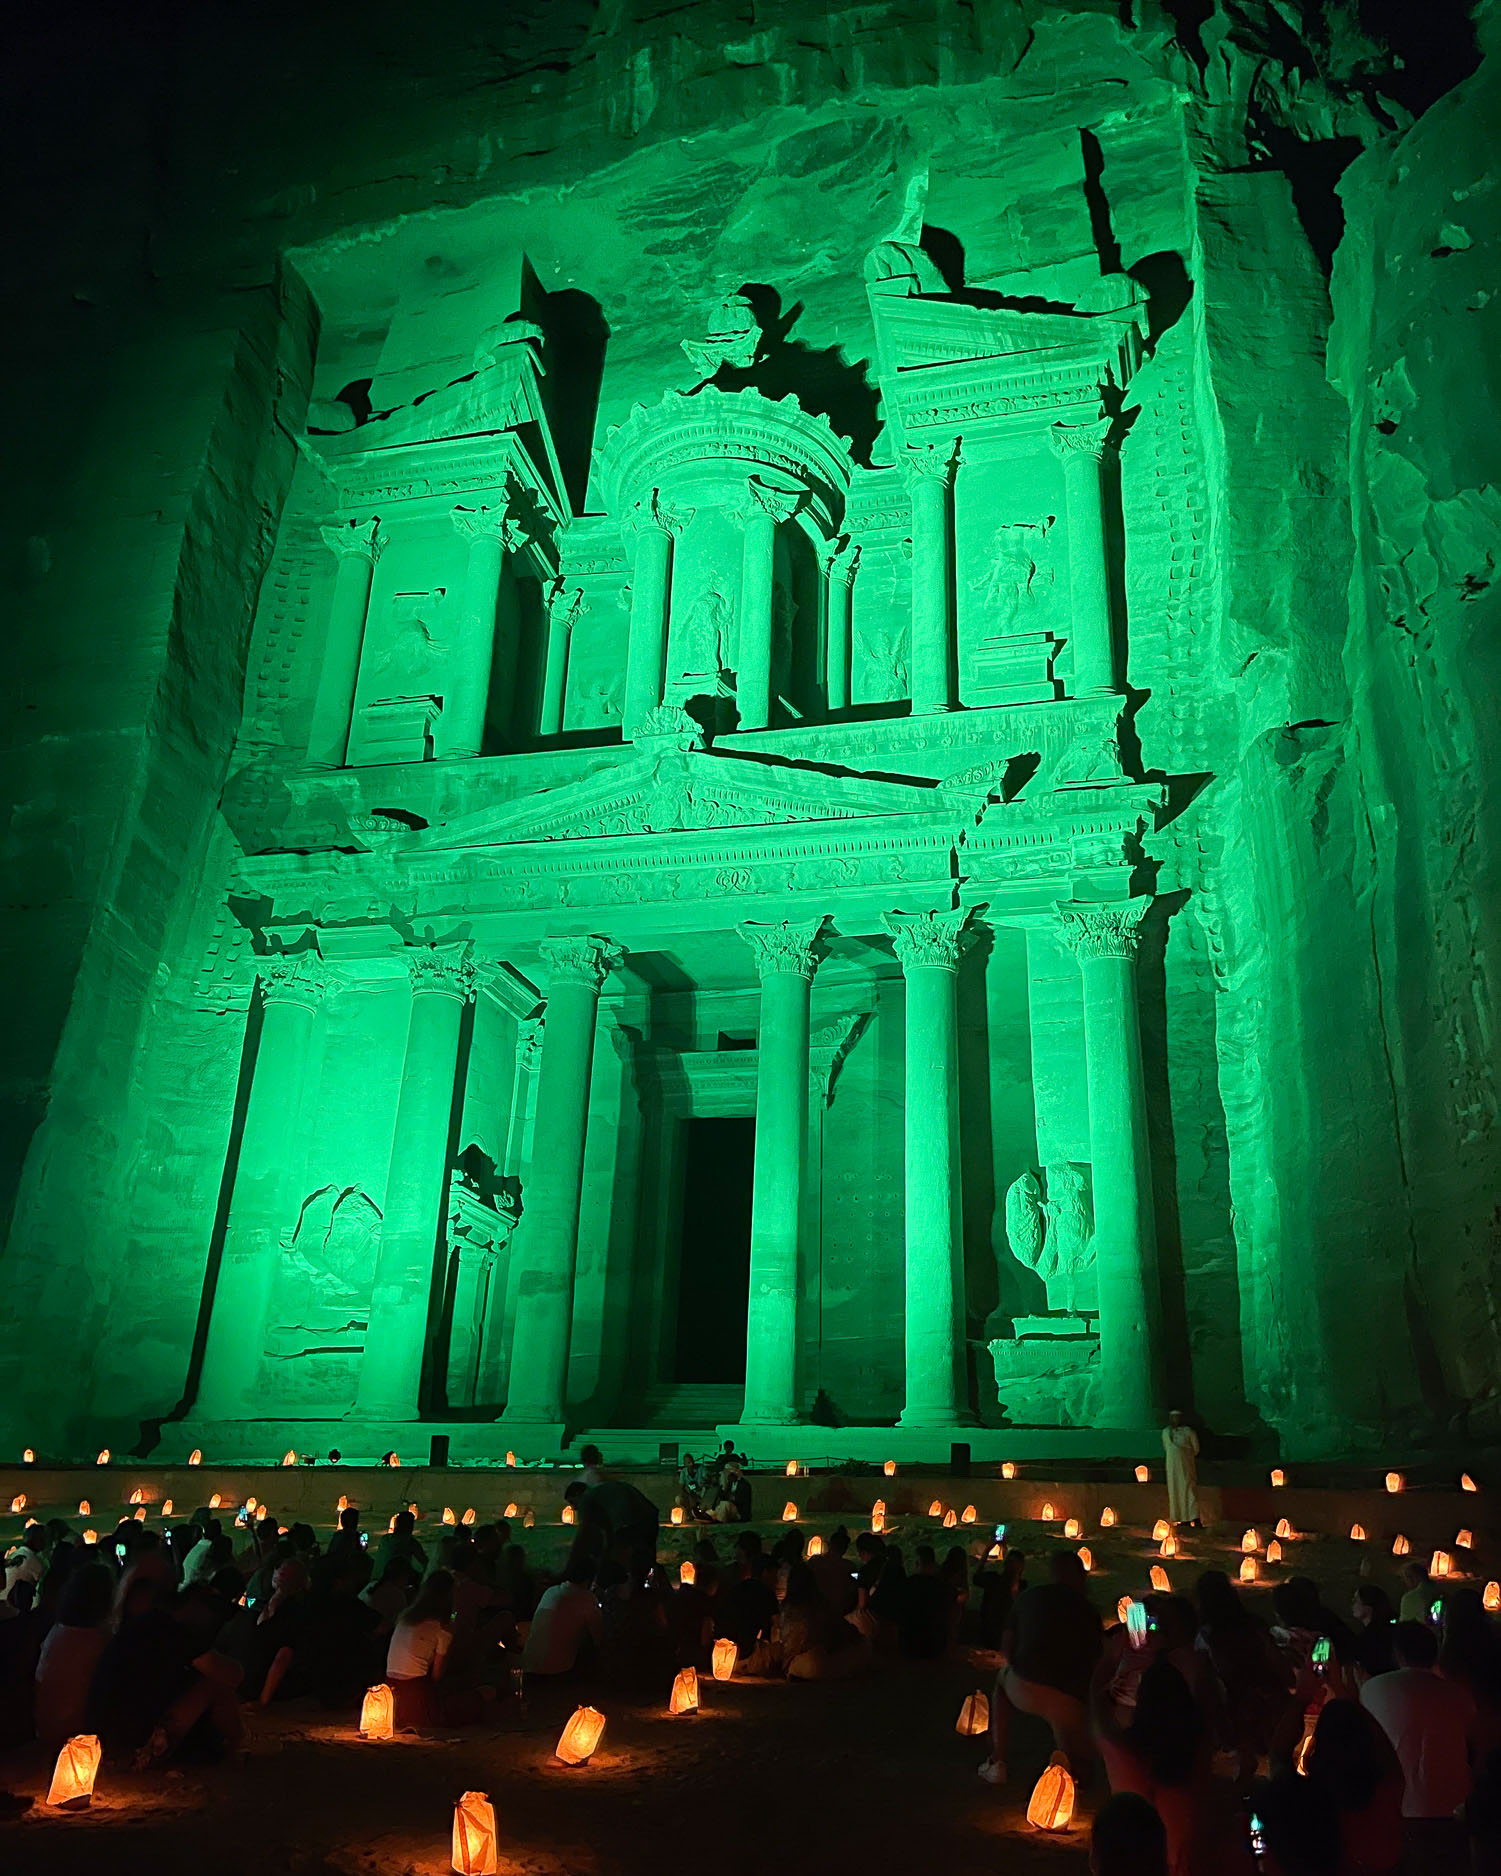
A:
(714, 1266)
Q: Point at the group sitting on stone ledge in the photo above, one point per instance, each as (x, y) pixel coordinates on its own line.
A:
(1313, 1745)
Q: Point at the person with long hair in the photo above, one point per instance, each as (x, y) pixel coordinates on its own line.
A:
(1353, 1763)
(416, 1661)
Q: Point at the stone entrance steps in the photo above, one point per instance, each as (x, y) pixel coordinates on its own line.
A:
(685, 1404)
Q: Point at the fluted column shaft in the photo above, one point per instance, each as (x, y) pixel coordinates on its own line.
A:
(547, 1239)
(471, 668)
(416, 1191)
(651, 585)
(785, 962)
(1082, 447)
(1104, 939)
(358, 546)
(928, 471)
(263, 1197)
(928, 945)
(842, 563)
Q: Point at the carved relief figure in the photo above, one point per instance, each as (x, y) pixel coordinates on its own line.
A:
(1019, 570)
(413, 650)
(328, 1263)
(704, 631)
(733, 338)
(1053, 1236)
(885, 665)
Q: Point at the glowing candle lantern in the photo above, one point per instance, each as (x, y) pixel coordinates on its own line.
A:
(1160, 1580)
(1284, 1529)
(74, 1774)
(511, 1511)
(468, 1517)
(103, 1459)
(215, 1502)
(1440, 1564)
(140, 1514)
(1492, 1597)
(581, 1736)
(138, 1497)
(289, 1457)
(950, 1520)
(1051, 1805)
(1464, 1540)
(677, 1514)
(343, 1504)
(250, 1504)
(1048, 1513)
(510, 1459)
(815, 1546)
(166, 1507)
(1467, 1484)
(18, 1503)
(84, 1507)
(1107, 1518)
(91, 1537)
(1168, 1547)
(877, 1514)
(789, 1513)
(529, 1522)
(1394, 1481)
(687, 1572)
(1250, 1540)
(1279, 1477)
(996, 1553)
(1143, 1473)
(1248, 1569)
(791, 1468)
(1160, 1529)
(974, 1716)
(449, 1515)
(1073, 1528)
(935, 1510)
(1008, 1469)
(28, 1457)
(968, 1515)
(1274, 1552)
(474, 1835)
(890, 1468)
(1086, 1557)
(414, 1511)
(195, 1458)
(378, 1713)
(684, 1692)
(1357, 1533)
(1122, 1609)
(724, 1656)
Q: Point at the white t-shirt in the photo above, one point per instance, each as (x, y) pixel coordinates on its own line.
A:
(415, 1646)
(1427, 1719)
(566, 1613)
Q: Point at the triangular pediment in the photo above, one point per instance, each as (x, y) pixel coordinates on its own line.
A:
(675, 791)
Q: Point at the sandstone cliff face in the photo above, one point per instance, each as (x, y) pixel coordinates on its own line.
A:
(1309, 519)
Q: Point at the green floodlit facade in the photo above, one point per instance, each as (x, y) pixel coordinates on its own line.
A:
(813, 745)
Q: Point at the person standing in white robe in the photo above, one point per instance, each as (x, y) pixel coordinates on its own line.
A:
(1181, 1445)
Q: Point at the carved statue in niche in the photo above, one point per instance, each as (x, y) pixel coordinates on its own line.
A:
(701, 643)
(885, 665)
(1054, 1235)
(1018, 572)
(327, 1269)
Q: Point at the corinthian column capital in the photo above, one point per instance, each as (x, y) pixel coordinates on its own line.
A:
(786, 950)
(936, 938)
(761, 499)
(449, 974)
(1102, 931)
(355, 540)
(482, 524)
(840, 560)
(301, 977)
(586, 961)
(929, 462)
(667, 517)
(1079, 439)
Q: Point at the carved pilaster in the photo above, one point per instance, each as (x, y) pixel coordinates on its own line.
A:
(583, 961)
(936, 938)
(360, 540)
(789, 949)
(1102, 931)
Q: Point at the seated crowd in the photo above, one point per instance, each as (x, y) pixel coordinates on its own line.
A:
(1381, 1733)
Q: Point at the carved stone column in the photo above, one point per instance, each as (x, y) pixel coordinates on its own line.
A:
(840, 565)
(490, 534)
(357, 545)
(928, 945)
(416, 1191)
(762, 510)
(786, 958)
(547, 1238)
(565, 607)
(263, 1200)
(1104, 939)
(654, 524)
(1082, 448)
(928, 470)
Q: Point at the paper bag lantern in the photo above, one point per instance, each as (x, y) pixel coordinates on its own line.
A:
(91, 1537)
(581, 1736)
(724, 1656)
(1073, 1528)
(950, 1520)
(529, 1521)
(215, 1502)
(74, 1774)
(1160, 1529)
(789, 1513)
(1279, 1477)
(195, 1458)
(1142, 1475)
(378, 1713)
(103, 1459)
(1492, 1597)
(974, 1716)
(1467, 1484)
(250, 1504)
(468, 1517)
(791, 1468)
(568, 1514)
(449, 1515)
(1008, 1469)
(84, 1507)
(815, 1546)
(510, 1459)
(1284, 1529)
(890, 1468)
(166, 1507)
(1394, 1481)
(289, 1457)
(935, 1510)
(140, 1514)
(18, 1503)
(687, 1573)
(474, 1835)
(1160, 1580)
(1047, 1513)
(677, 1514)
(1464, 1540)
(877, 1514)
(511, 1511)
(1086, 1557)
(138, 1497)
(1248, 1569)
(1168, 1547)
(1051, 1805)
(968, 1515)
(1357, 1533)
(28, 1457)
(1440, 1563)
(1123, 1609)
(1107, 1518)
(1274, 1552)
(684, 1692)
(1250, 1540)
